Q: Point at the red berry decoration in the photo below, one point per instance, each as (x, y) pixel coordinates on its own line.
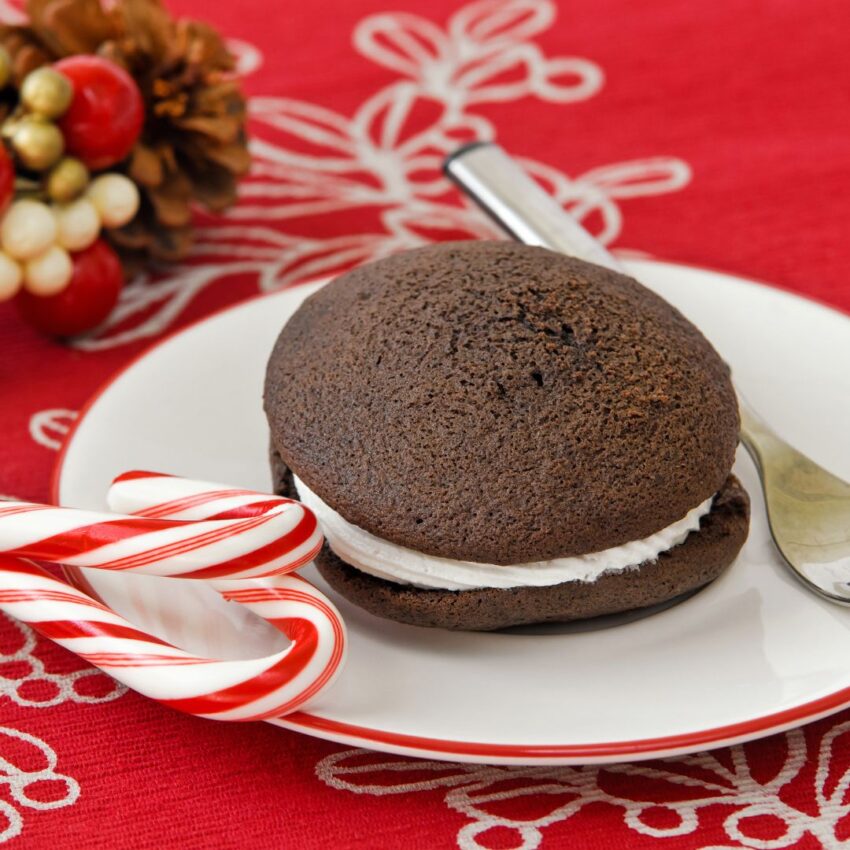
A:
(7, 179)
(87, 300)
(106, 113)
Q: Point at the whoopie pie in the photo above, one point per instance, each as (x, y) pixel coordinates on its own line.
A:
(493, 434)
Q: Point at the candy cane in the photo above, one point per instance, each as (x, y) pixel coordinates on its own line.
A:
(253, 535)
(252, 689)
(154, 494)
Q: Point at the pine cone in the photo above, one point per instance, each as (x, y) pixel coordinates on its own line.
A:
(193, 145)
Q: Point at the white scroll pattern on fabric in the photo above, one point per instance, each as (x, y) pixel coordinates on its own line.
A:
(50, 427)
(384, 161)
(483, 794)
(25, 679)
(27, 762)
(248, 58)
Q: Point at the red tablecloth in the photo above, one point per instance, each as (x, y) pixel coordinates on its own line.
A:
(711, 133)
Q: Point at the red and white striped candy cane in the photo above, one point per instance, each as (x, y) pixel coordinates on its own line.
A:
(250, 689)
(253, 535)
(155, 494)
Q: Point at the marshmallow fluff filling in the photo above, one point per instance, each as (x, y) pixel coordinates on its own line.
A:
(401, 565)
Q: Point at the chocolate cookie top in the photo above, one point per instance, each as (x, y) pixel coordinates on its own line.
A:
(494, 402)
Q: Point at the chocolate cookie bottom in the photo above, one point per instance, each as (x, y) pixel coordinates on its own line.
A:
(692, 564)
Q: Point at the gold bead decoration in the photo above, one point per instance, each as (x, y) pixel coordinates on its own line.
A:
(46, 92)
(7, 129)
(48, 273)
(115, 197)
(66, 180)
(11, 277)
(27, 230)
(77, 224)
(37, 143)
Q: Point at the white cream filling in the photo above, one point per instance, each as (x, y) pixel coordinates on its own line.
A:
(401, 565)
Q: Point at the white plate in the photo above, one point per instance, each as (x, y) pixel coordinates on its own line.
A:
(751, 654)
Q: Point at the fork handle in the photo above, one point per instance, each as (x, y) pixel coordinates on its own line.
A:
(519, 206)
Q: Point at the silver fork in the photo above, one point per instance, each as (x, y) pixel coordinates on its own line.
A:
(808, 507)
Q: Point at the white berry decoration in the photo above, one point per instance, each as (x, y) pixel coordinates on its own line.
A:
(115, 197)
(10, 277)
(28, 229)
(77, 224)
(49, 273)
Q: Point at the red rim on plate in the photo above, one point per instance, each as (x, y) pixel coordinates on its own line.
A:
(313, 724)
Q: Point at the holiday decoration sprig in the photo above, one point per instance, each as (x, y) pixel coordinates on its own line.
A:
(115, 119)
(80, 116)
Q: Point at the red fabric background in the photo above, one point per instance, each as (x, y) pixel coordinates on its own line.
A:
(755, 97)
